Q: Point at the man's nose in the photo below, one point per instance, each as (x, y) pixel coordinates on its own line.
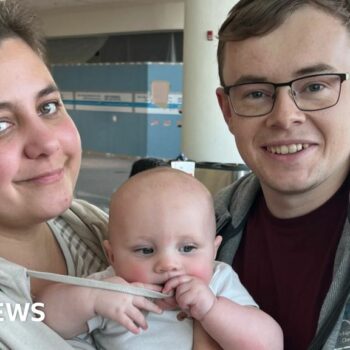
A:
(285, 112)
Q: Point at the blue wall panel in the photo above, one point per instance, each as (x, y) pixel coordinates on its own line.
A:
(165, 137)
(113, 109)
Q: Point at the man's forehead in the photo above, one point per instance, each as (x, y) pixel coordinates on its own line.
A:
(294, 49)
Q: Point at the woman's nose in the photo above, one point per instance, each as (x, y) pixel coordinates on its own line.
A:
(41, 140)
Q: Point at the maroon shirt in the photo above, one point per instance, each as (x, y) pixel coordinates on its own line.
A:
(287, 264)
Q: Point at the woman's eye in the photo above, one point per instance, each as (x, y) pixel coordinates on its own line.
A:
(4, 125)
(187, 248)
(49, 108)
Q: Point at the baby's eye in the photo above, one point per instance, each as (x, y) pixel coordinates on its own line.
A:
(187, 248)
(145, 251)
(49, 108)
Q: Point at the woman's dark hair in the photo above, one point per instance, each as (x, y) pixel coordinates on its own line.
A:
(18, 21)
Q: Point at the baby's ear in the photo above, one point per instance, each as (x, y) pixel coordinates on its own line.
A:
(109, 251)
(217, 242)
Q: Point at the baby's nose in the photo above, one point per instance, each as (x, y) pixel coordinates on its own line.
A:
(167, 263)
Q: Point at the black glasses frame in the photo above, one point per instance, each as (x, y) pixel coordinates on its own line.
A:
(342, 77)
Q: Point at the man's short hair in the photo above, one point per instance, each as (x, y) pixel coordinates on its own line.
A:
(249, 18)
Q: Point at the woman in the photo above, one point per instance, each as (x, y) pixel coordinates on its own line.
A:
(40, 154)
(41, 227)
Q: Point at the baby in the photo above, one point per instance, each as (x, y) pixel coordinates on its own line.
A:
(162, 236)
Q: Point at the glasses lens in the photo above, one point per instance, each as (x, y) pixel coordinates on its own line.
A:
(318, 92)
(252, 99)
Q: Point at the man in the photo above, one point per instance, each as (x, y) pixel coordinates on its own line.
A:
(285, 97)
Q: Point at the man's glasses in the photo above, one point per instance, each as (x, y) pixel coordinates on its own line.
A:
(310, 93)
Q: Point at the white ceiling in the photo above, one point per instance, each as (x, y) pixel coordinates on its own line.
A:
(54, 4)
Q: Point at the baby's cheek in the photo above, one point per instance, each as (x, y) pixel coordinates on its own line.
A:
(137, 274)
(202, 272)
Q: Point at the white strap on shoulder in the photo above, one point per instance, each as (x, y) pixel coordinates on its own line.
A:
(90, 283)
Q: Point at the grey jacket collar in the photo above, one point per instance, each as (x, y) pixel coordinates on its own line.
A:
(232, 205)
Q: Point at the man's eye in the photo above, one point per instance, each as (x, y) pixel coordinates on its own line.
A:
(315, 87)
(4, 125)
(256, 94)
(253, 95)
(187, 248)
(49, 108)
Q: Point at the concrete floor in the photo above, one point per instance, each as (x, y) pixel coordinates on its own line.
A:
(100, 175)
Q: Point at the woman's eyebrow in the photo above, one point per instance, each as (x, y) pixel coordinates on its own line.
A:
(47, 90)
(5, 105)
(43, 92)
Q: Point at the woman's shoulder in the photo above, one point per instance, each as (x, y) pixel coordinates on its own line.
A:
(83, 228)
(87, 220)
(86, 212)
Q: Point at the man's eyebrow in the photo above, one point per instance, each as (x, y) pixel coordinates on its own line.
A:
(317, 68)
(314, 69)
(249, 79)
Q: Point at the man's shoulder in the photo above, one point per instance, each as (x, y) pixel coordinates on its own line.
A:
(236, 199)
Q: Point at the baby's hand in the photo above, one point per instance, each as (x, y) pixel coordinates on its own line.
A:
(192, 295)
(123, 308)
(167, 303)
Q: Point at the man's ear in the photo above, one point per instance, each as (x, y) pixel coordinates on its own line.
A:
(109, 251)
(217, 242)
(224, 104)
